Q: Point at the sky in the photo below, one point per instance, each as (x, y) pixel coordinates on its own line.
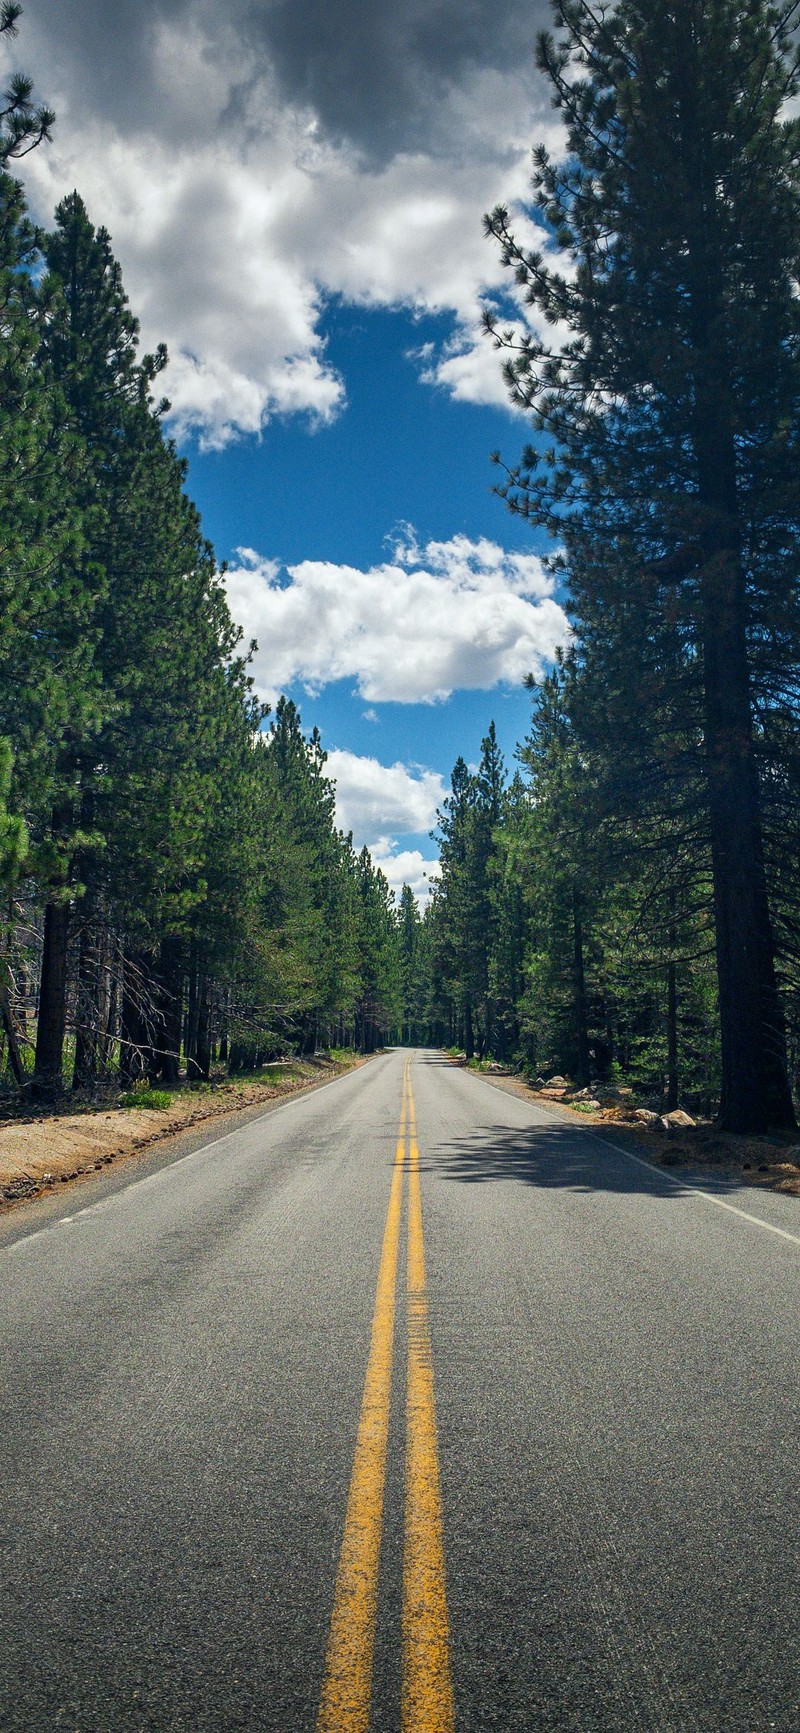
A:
(295, 190)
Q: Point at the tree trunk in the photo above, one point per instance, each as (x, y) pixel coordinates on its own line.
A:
(109, 998)
(7, 1019)
(203, 1052)
(309, 1033)
(47, 1076)
(672, 1010)
(672, 1038)
(136, 1033)
(170, 1008)
(87, 1007)
(579, 992)
(192, 1015)
(755, 1085)
(469, 1032)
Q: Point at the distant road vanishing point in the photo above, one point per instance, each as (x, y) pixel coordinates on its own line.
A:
(405, 1406)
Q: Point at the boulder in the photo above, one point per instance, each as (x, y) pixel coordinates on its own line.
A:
(645, 1117)
(677, 1120)
(557, 1083)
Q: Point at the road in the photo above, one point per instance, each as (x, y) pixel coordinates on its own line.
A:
(405, 1405)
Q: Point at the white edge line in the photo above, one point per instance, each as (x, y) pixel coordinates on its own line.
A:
(269, 1110)
(686, 1185)
(681, 1184)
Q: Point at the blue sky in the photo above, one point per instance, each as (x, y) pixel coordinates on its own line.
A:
(400, 451)
(295, 194)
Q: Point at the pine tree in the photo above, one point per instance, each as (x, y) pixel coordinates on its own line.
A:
(451, 911)
(89, 349)
(22, 126)
(409, 925)
(672, 409)
(44, 659)
(379, 1006)
(485, 817)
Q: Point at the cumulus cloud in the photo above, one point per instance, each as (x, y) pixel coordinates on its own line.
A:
(379, 77)
(452, 615)
(406, 866)
(376, 801)
(252, 161)
(380, 803)
(467, 366)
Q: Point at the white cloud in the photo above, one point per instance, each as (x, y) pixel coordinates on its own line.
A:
(208, 271)
(377, 801)
(469, 367)
(451, 616)
(235, 216)
(405, 867)
(381, 802)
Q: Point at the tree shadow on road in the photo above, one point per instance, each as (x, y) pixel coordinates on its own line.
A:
(550, 1156)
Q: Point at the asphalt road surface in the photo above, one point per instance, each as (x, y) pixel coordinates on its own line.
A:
(407, 1405)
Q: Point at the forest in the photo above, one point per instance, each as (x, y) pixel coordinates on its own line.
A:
(176, 894)
(175, 890)
(637, 898)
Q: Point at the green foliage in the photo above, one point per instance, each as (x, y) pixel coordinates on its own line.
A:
(470, 925)
(583, 922)
(176, 877)
(666, 461)
(146, 1098)
(13, 833)
(22, 125)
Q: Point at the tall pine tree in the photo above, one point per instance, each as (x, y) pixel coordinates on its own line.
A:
(672, 409)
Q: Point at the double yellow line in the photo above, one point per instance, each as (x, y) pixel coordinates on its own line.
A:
(427, 1692)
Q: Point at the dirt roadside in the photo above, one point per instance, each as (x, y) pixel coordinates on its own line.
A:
(771, 1162)
(42, 1153)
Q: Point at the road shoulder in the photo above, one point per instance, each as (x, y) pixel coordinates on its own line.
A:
(96, 1153)
(700, 1154)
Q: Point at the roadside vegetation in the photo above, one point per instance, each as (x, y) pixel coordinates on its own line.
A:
(40, 1151)
(176, 896)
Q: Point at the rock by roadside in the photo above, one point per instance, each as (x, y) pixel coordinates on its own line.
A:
(770, 1162)
(42, 1153)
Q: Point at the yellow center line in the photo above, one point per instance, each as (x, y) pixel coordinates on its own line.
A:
(427, 1701)
(427, 1694)
(347, 1687)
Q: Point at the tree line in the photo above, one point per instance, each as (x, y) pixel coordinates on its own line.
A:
(636, 903)
(625, 903)
(174, 886)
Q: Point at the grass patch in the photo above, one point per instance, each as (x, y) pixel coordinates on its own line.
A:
(274, 1072)
(146, 1098)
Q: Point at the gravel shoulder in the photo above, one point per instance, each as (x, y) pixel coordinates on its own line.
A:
(771, 1163)
(44, 1152)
